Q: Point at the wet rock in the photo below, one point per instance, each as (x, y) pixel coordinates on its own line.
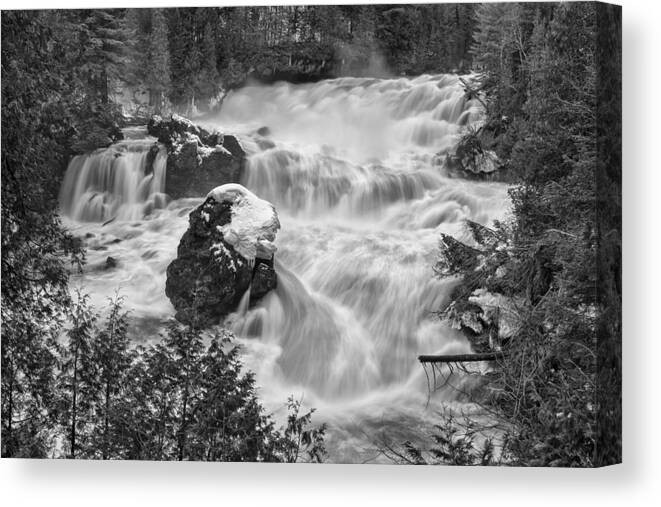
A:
(151, 156)
(479, 324)
(212, 272)
(115, 133)
(197, 159)
(160, 129)
(180, 125)
(263, 131)
(474, 156)
(232, 144)
(214, 139)
(111, 262)
(187, 158)
(264, 280)
(264, 144)
(193, 170)
(171, 131)
(499, 311)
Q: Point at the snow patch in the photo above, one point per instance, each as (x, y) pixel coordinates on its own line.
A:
(505, 310)
(254, 222)
(219, 249)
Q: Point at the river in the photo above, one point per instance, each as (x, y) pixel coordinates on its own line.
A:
(362, 194)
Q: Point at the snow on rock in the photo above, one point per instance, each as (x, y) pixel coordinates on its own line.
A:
(497, 306)
(254, 222)
(226, 252)
(197, 159)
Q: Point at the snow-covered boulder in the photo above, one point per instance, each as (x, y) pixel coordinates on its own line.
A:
(197, 159)
(499, 309)
(193, 168)
(227, 249)
(171, 131)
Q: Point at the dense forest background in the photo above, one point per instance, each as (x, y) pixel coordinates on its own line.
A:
(551, 78)
(132, 51)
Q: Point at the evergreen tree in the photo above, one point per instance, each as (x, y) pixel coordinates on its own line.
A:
(209, 79)
(228, 422)
(501, 40)
(104, 42)
(554, 206)
(546, 388)
(188, 402)
(111, 350)
(300, 441)
(77, 382)
(137, 25)
(184, 58)
(152, 403)
(184, 347)
(158, 73)
(40, 90)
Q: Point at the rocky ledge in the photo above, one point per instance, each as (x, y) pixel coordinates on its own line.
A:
(197, 159)
(227, 250)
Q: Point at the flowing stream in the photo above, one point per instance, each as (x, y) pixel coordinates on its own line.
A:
(361, 191)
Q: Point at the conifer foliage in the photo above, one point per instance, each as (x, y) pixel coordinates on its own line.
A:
(176, 400)
(74, 386)
(557, 391)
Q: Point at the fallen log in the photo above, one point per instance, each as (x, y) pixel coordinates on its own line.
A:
(461, 358)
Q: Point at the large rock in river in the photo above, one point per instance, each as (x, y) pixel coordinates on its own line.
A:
(197, 159)
(227, 249)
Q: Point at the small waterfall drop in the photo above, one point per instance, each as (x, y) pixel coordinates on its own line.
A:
(115, 183)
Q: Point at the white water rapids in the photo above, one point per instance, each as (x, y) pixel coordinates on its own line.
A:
(362, 200)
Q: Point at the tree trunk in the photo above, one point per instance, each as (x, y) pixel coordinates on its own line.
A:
(74, 385)
(461, 358)
(106, 418)
(106, 423)
(104, 86)
(10, 416)
(182, 427)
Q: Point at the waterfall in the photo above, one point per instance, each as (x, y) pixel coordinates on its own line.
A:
(355, 168)
(362, 193)
(114, 183)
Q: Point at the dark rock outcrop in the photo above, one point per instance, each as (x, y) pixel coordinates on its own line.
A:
(263, 131)
(209, 277)
(214, 139)
(471, 160)
(116, 133)
(263, 280)
(475, 156)
(193, 169)
(151, 156)
(261, 136)
(197, 159)
(172, 131)
(232, 144)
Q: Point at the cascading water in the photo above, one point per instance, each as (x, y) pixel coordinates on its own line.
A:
(115, 182)
(362, 195)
